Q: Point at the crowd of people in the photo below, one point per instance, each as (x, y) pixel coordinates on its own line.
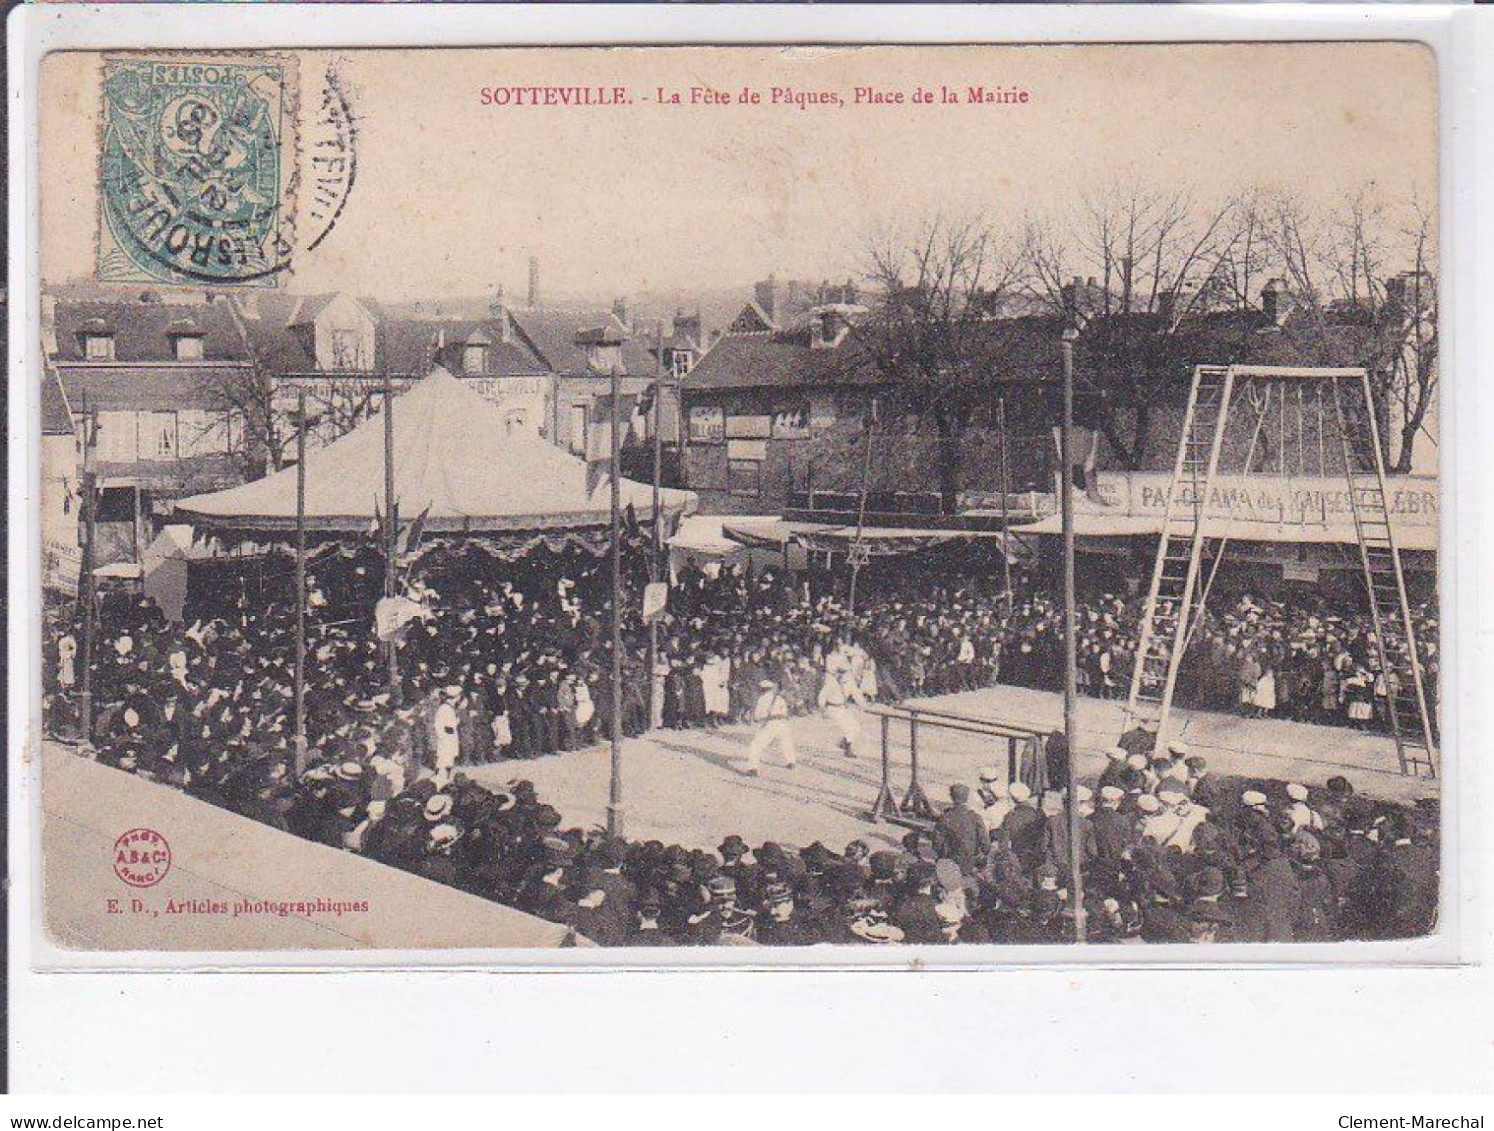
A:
(1303, 657)
(1169, 853)
(500, 660)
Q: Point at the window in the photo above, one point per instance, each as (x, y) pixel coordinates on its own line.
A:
(741, 426)
(346, 350)
(475, 359)
(791, 421)
(744, 477)
(157, 435)
(188, 347)
(516, 418)
(98, 347)
(707, 424)
(115, 439)
(201, 433)
(681, 362)
(578, 428)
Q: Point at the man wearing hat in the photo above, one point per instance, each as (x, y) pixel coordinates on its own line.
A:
(771, 713)
(1204, 786)
(647, 931)
(1317, 907)
(547, 892)
(959, 833)
(782, 924)
(1208, 921)
(607, 903)
(1257, 827)
(1303, 815)
(1116, 772)
(724, 921)
(1056, 832)
(1115, 832)
(1163, 917)
(1023, 827)
(1275, 895)
(995, 799)
(838, 691)
(737, 862)
(917, 912)
(1140, 739)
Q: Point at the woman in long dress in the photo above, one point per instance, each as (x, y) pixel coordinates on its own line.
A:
(1265, 692)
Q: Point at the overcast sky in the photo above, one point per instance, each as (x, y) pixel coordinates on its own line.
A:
(452, 196)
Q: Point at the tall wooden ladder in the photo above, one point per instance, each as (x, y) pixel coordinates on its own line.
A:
(1405, 689)
(1175, 575)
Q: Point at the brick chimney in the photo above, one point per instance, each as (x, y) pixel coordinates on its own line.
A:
(498, 311)
(534, 281)
(1167, 306)
(688, 326)
(620, 312)
(1396, 289)
(766, 294)
(1276, 302)
(1071, 292)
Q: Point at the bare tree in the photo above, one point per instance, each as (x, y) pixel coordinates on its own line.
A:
(929, 330)
(262, 436)
(1413, 385)
(1158, 253)
(339, 402)
(1370, 294)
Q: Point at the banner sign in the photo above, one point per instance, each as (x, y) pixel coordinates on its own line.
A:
(1306, 500)
(655, 598)
(1294, 508)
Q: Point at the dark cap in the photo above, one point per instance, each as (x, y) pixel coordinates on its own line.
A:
(1210, 882)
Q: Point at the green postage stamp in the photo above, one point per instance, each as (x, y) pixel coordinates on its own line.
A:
(196, 173)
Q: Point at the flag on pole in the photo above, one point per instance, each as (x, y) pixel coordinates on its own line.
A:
(655, 600)
(1083, 458)
(392, 614)
(599, 435)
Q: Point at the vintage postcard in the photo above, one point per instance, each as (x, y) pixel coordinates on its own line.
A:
(821, 500)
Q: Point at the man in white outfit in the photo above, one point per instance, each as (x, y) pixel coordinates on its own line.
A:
(446, 738)
(771, 710)
(837, 693)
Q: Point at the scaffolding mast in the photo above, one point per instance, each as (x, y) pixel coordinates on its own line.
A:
(1176, 596)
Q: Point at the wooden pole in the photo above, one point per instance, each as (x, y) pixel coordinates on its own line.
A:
(1004, 486)
(655, 704)
(855, 555)
(299, 740)
(89, 584)
(615, 788)
(391, 540)
(1070, 648)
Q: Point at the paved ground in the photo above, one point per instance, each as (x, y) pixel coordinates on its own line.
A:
(688, 786)
(220, 859)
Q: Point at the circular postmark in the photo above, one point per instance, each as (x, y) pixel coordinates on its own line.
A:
(193, 168)
(332, 143)
(141, 857)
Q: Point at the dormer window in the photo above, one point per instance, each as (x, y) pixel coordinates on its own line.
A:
(475, 358)
(98, 347)
(187, 347)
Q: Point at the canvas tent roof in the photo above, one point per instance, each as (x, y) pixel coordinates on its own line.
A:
(455, 453)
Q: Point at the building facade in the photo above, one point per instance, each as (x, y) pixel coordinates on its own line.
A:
(154, 383)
